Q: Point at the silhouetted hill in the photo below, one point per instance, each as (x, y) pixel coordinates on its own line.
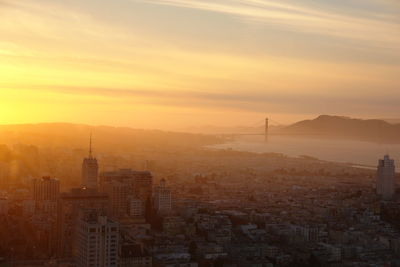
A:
(344, 127)
(392, 120)
(106, 138)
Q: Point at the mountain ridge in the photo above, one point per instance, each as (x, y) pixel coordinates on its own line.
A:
(346, 127)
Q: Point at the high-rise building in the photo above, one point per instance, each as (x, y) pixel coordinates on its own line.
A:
(45, 194)
(69, 206)
(385, 182)
(142, 181)
(162, 198)
(97, 239)
(46, 189)
(119, 192)
(143, 186)
(136, 208)
(90, 170)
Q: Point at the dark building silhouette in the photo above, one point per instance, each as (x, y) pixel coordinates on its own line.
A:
(124, 185)
(45, 189)
(69, 207)
(90, 170)
(141, 181)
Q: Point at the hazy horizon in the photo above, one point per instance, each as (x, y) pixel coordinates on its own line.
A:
(201, 127)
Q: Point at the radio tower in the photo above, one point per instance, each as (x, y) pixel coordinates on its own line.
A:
(266, 129)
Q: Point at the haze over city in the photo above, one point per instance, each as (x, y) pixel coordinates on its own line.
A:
(199, 133)
(171, 64)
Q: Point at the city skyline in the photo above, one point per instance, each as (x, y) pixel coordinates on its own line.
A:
(199, 133)
(165, 64)
(190, 206)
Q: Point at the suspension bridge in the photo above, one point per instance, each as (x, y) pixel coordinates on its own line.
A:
(259, 124)
(266, 132)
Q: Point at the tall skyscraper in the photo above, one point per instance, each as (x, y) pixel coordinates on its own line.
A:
(385, 182)
(141, 181)
(69, 206)
(162, 198)
(136, 208)
(90, 169)
(46, 189)
(119, 193)
(97, 239)
(143, 186)
(46, 192)
(139, 185)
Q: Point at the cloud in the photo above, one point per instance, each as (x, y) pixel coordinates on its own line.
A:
(258, 102)
(63, 52)
(379, 30)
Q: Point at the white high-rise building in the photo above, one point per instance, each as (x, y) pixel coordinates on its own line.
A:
(385, 181)
(96, 241)
(162, 198)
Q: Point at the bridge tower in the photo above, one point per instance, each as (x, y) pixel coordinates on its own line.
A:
(266, 129)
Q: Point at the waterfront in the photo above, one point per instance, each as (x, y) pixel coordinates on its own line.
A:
(338, 150)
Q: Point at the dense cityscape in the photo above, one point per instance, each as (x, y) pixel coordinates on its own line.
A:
(199, 133)
(213, 208)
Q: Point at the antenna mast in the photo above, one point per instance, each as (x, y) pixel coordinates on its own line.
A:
(90, 146)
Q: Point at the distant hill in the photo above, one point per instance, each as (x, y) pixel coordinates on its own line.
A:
(345, 127)
(106, 138)
(392, 121)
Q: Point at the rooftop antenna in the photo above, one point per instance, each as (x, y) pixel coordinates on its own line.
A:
(90, 146)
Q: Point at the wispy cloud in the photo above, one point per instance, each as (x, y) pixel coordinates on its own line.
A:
(244, 101)
(58, 51)
(379, 29)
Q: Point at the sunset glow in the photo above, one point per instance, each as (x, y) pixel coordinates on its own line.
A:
(217, 62)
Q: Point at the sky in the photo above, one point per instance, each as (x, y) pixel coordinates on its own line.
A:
(172, 64)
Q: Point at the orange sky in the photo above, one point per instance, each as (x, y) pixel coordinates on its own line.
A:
(172, 63)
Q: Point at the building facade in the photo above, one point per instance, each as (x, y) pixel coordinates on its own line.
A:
(119, 193)
(385, 182)
(97, 239)
(138, 183)
(46, 189)
(90, 170)
(162, 198)
(136, 208)
(133, 255)
(69, 206)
